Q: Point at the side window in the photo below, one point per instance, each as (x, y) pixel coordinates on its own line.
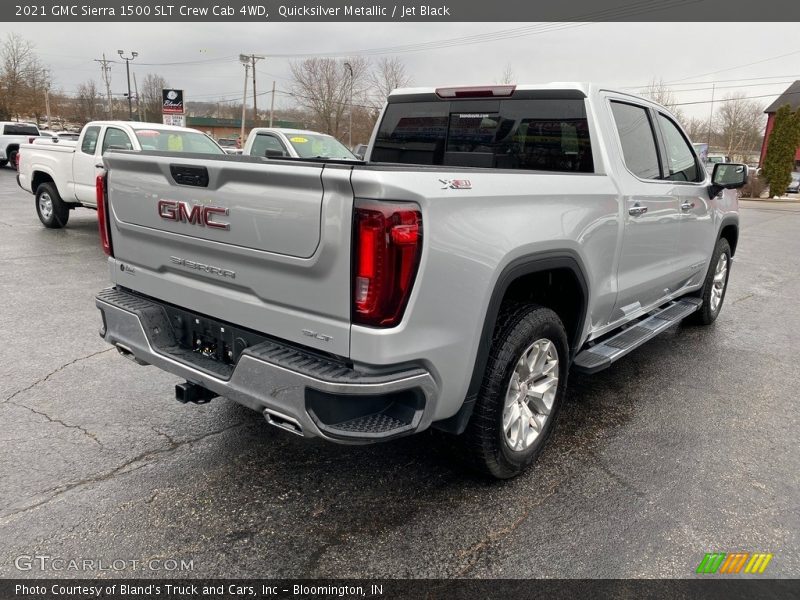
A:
(117, 138)
(681, 161)
(638, 140)
(264, 142)
(89, 143)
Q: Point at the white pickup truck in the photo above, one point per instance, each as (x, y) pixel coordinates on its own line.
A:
(277, 142)
(12, 135)
(62, 176)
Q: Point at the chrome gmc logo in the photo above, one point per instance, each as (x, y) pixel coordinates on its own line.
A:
(196, 214)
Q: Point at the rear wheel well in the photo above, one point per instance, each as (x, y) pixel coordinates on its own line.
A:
(730, 233)
(39, 178)
(553, 280)
(558, 289)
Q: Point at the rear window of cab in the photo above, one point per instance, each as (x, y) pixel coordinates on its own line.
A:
(526, 134)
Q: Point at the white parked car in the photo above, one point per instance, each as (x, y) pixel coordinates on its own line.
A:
(62, 175)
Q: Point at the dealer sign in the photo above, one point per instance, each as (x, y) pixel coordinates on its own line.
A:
(172, 102)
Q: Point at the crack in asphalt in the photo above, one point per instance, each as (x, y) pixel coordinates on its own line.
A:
(83, 430)
(50, 374)
(121, 469)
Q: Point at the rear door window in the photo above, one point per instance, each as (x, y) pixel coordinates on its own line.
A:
(89, 143)
(638, 139)
(528, 134)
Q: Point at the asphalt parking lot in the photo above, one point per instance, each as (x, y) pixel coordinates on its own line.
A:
(687, 446)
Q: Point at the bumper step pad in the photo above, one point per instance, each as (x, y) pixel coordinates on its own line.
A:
(602, 355)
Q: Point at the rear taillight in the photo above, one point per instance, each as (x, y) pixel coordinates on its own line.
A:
(103, 220)
(17, 159)
(387, 243)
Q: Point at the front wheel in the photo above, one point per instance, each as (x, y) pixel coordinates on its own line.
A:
(3, 163)
(52, 211)
(716, 284)
(521, 392)
(12, 159)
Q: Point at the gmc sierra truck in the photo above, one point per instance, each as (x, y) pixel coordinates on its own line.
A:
(495, 238)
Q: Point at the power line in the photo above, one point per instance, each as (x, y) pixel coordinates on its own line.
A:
(502, 34)
(650, 83)
(757, 62)
(734, 99)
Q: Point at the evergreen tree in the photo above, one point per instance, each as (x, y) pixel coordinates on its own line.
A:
(781, 149)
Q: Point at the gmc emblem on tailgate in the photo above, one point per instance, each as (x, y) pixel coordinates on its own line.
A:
(197, 214)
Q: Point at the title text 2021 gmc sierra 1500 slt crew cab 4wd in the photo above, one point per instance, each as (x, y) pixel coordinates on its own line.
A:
(495, 238)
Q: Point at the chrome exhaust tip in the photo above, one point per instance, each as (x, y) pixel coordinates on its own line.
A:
(282, 421)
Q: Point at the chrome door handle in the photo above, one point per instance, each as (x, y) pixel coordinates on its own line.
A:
(687, 206)
(637, 210)
(100, 166)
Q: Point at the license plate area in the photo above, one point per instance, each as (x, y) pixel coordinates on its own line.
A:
(209, 339)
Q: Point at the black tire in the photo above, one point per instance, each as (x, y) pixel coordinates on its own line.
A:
(3, 163)
(485, 444)
(59, 215)
(707, 314)
(12, 159)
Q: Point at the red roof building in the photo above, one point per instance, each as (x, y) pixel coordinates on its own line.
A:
(791, 97)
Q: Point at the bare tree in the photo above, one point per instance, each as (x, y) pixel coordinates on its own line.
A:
(388, 74)
(36, 89)
(17, 59)
(150, 101)
(658, 91)
(323, 86)
(697, 129)
(508, 75)
(86, 105)
(740, 125)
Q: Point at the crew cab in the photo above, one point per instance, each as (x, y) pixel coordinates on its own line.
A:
(496, 238)
(61, 174)
(277, 142)
(12, 136)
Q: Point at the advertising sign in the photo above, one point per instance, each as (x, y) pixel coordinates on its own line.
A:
(177, 120)
(172, 102)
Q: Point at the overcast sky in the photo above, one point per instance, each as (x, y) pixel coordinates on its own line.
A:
(616, 54)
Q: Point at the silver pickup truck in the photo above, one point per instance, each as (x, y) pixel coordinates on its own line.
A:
(494, 238)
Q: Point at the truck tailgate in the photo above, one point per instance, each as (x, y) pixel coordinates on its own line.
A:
(261, 244)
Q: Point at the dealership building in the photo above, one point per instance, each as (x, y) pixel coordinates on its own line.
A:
(791, 97)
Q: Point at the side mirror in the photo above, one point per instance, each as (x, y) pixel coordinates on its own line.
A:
(272, 153)
(727, 176)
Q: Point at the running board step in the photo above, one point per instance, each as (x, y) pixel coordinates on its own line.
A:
(601, 355)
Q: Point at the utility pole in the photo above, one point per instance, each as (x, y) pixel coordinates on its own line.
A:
(349, 68)
(272, 104)
(711, 116)
(138, 111)
(252, 58)
(105, 73)
(244, 96)
(47, 107)
(128, 71)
